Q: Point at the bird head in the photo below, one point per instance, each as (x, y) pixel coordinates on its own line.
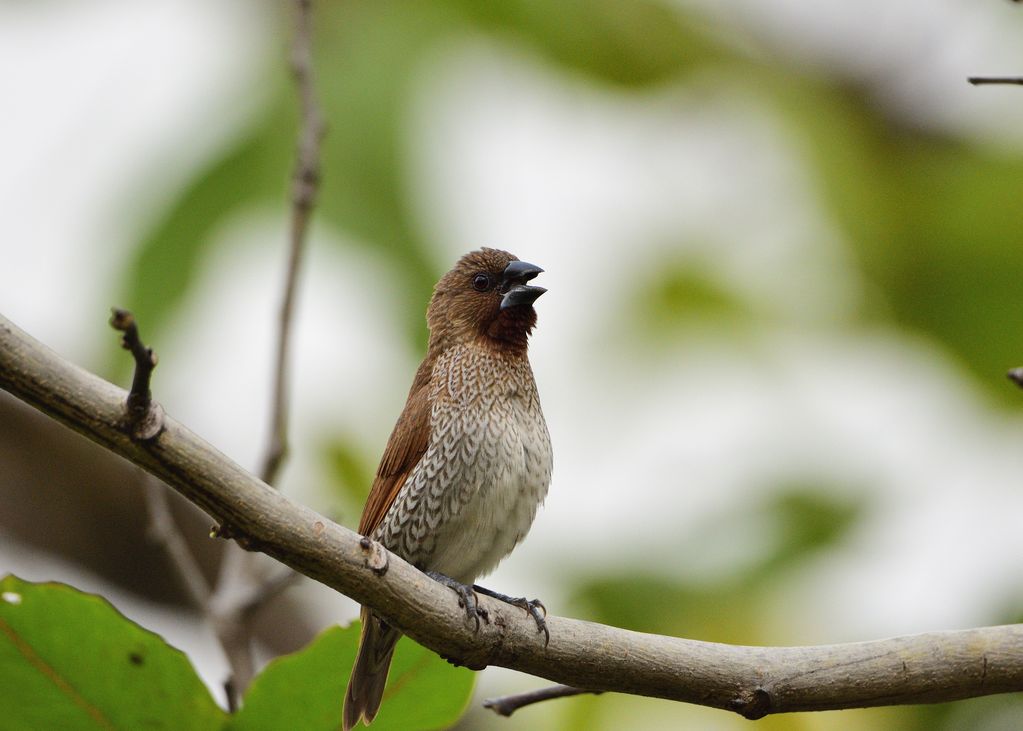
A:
(485, 296)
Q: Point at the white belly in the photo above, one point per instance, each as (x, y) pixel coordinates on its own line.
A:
(510, 484)
(474, 493)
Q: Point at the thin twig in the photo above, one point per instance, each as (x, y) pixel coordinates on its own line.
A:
(235, 638)
(1016, 376)
(979, 80)
(506, 705)
(144, 417)
(269, 589)
(243, 586)
(751, 681)
(305, 185)
(164, 530)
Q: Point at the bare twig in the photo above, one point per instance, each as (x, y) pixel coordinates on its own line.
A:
(243, 586)
(981, 80)
(144, 418)
(305, 184)
(1016, 376)
(164, 530)
(506, 705)
(751, 681)
(270, 588)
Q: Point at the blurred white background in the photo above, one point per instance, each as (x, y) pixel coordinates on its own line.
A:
(664, 430)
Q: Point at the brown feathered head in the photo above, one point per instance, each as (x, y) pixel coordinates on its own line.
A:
(485, 296)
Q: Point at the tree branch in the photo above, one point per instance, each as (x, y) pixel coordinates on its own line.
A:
(506, 705)
(752, 681)
(1016, 376)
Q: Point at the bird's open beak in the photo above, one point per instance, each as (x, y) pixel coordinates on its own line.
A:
(514, 287)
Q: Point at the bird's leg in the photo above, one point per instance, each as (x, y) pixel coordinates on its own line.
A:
(533, 608)
(466, 596)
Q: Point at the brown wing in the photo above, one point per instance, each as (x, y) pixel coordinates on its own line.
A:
(404, 449)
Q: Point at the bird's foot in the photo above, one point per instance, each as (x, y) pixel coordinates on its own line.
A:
(466, 597)
(533, 608)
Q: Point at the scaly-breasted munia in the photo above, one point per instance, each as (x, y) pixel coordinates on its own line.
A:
(469, 460)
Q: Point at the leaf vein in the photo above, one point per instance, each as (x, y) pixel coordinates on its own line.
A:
(53, 676)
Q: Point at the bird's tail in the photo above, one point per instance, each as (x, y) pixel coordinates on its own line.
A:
(366, 686)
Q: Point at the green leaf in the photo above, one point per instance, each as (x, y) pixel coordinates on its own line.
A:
(423, 691)
(69, 660)
(305, 689)
(375, 53)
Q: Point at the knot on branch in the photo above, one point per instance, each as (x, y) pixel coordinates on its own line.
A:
(143, 417)
(228, 533)
(752, 704)
(376, 556)
(223, 531)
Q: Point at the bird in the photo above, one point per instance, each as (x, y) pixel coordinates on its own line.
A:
(469, 460)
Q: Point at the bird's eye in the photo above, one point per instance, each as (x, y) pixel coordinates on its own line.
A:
(481, 282)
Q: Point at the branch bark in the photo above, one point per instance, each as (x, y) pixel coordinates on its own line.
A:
(752, 681)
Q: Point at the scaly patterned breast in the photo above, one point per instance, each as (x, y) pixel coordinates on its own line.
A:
(473, 495)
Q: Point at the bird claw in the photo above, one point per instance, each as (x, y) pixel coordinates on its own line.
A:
(466, 597)
(533, 608)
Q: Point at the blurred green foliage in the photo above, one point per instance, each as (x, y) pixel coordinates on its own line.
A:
(805, 521)
(679, 294)
(932, 222)
(368, 54)
(808, 520)
(351, 471)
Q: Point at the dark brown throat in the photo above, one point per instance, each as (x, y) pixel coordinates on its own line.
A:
(510, 329)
